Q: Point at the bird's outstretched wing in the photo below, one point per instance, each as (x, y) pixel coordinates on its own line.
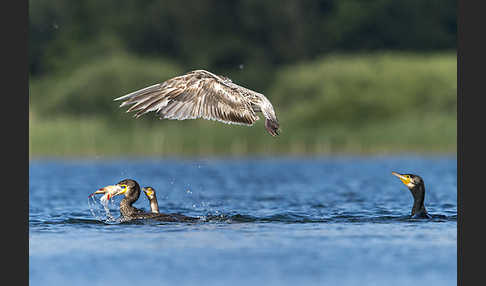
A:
(197, 94)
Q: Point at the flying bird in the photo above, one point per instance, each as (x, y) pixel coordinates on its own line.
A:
(201, 94)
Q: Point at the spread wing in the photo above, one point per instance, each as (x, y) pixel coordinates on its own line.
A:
(197, 94)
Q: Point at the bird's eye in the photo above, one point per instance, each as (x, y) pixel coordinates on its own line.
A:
(123, 186)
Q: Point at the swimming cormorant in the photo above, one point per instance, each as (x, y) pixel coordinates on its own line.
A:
(417, 187)
(131, 190)
(201, 94)
(151, 196)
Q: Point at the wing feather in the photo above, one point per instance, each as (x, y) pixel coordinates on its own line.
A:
(197, 94)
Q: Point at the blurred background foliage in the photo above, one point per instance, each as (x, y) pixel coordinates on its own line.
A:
(345, 76)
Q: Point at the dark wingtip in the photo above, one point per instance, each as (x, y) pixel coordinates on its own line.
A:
(272, 127)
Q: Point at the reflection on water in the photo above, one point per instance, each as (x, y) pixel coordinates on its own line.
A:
(332, 221)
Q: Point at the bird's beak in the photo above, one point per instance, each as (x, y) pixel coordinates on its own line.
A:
(99, 191)
(110, 191)
(148, 192)
(404, 180)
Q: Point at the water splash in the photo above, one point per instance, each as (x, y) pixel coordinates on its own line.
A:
(100, 208)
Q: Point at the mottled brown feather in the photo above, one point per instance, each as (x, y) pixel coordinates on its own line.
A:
(200, 94)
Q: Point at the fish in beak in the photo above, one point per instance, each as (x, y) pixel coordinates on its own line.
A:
(110, 191)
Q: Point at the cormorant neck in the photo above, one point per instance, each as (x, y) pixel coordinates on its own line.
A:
(126, 208)
(418, 193)
(127, 201)
(154, 205)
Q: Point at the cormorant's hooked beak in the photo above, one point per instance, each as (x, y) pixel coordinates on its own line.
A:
(110, 191)
(404, 179)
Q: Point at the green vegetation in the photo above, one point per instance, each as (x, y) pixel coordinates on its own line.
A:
(376, 103)
(220, 35)
(90, 88)
(320, 62)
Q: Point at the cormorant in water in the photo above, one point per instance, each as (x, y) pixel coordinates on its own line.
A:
(131, 190)
(417, 187)
(150, 193)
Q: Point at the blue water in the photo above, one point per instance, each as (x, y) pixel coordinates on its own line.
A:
(323, 221)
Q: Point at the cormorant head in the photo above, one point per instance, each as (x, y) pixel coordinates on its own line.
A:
(415, 184)
(149, 192)
(127, 187)
(410, 180)
(417, 187)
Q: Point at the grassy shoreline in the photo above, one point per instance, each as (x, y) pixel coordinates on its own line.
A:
(91, 137)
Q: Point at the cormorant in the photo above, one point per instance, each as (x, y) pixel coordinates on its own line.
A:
(151, 196)
(131, 190)
(417, 187)
(201, 94)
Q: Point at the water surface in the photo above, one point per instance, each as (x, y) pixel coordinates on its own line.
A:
(324, 221)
